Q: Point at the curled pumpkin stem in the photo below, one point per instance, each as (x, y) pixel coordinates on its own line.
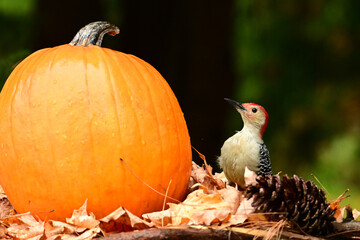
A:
(93, 33)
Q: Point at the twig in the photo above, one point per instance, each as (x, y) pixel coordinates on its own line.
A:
(163, 208)
(313, 175)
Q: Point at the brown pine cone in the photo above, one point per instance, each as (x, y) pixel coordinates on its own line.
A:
(301, 202)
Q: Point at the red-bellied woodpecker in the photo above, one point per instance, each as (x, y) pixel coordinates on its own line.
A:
(246, 148)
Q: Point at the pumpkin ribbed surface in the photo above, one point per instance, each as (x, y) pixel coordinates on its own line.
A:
(69, 114)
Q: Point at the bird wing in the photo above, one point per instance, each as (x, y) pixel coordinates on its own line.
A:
(264, 161)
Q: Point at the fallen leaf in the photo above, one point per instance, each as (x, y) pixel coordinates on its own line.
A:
(221, 176)
(245, 209)
(210, 216)
(249, 176)
(61, 230)
(335, 206)
(3, 232)
(200, 176)
(121, 220)
(6, 209)
(216, 182)
(52, 232)
(57, 227)
(200, 208)
(159, 219)
(231, 196)
(82, 219)
(87, 235)
(27, 228)
(356, 214)
(339, 214)
(235, 220)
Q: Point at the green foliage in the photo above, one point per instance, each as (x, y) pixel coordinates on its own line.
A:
(16, 22)
(338, 165)
(16, 8)
(8, 63)
(300, 60)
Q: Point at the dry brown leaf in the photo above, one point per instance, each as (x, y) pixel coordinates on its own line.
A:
(199, 175)
(339, 214)
(61, 230)
(2, 193)
(57, 227)
(80, 226)
(52, 232)
(221, 176)
(242, 213)
(249, 176)
(335, 205)
(210, 216)
(355, 214)
(235, 220)
(232, 196)
(13, 219)
(26, 228)
(6, 209)
(87, 235)
(82, 219)
(3, 232)
(122, 220)
(216, 182)
(245, 209)
(200, 208)
(159, 219)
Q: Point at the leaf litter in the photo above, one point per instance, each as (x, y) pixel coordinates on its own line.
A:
(210, 202)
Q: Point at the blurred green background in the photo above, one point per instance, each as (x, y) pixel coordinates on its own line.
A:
(299, 59)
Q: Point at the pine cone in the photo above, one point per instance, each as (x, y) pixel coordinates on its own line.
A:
(301, 202)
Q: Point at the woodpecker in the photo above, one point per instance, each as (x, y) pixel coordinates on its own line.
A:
(246, 148)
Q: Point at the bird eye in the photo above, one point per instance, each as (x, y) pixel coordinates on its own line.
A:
(254, 110)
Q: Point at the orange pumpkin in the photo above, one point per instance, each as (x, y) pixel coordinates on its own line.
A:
(69, 114)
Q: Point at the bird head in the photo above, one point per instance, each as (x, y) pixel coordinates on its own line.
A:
(253, 115)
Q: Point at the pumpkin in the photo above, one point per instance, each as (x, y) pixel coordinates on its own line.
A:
(80, 122)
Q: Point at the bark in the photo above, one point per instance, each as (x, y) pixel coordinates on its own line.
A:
(343, 231)
(188, 233)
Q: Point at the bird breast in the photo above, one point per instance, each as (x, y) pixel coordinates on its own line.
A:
(239, 151)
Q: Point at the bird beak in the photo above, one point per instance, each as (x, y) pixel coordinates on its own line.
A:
(237, 105)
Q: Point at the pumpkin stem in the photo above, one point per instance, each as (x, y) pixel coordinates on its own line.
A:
(93, 33)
